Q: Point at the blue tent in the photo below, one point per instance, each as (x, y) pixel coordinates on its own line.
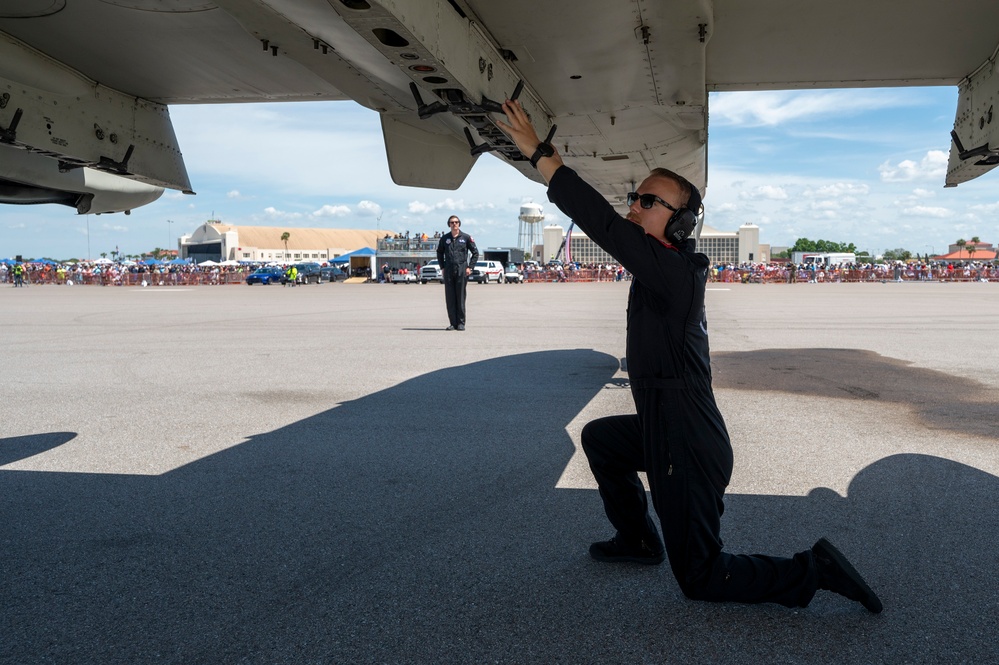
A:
(180, 262)
(151, 262)
(344, 258)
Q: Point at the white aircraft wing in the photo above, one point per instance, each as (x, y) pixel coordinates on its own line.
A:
(85, 85)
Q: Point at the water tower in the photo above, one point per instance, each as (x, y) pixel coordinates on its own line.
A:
(530, 218)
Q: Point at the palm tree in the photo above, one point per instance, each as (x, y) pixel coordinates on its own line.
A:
(973, 246)
(961, 242)
(284, 239)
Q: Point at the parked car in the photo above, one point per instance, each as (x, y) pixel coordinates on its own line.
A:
(487, 271)
(512, 274)
(308, 273)
(331, 273)
(265, 275)
(431, 273)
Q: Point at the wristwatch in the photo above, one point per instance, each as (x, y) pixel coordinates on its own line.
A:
(544, 150)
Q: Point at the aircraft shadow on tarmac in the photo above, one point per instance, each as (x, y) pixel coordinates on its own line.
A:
(20, 447)
(941, 400)
(422, 524)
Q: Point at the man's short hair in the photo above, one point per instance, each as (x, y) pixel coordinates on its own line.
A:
(455, 218)
(691, 197)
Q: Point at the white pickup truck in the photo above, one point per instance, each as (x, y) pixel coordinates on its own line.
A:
(487, 271)
(431, 273)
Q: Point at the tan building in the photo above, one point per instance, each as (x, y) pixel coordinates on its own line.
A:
(742, 246)
(263, 244)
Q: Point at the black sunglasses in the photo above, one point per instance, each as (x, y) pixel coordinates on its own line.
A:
(647, 200)
(454, 222)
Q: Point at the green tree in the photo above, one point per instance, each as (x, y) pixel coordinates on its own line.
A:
(284, 239)
(897, 254)
(825, 246)
(961, 242)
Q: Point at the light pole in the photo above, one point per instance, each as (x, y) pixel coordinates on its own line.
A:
(169, 234)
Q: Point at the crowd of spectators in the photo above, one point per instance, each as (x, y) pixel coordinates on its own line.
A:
(139, 274)
(122, 274)
(408, 241)
(574, 272)
(897, 271)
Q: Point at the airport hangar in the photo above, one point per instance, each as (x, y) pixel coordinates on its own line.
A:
(216, 241)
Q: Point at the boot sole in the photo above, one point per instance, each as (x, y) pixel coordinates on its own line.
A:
(870, 599)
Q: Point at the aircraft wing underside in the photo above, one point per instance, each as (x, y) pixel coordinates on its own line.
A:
(85, 84)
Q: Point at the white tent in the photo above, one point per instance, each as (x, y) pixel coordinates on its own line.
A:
(208, 263)
(229, 262)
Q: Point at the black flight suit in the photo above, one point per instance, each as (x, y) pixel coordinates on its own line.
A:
(678, 436)
(453, 257)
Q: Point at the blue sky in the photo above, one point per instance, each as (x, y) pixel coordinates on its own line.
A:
(861, 166)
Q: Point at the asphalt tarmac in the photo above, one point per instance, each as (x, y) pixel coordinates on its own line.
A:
(323, 474)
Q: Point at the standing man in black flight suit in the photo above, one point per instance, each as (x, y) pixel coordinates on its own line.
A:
(453, 256)
(677, 435)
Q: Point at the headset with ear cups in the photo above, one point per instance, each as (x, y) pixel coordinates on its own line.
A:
(681, 225)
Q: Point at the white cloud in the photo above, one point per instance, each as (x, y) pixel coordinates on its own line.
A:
(449, 205)
(928, 211)
(837, 189)
(777, 107)
(369, 209)
(332, 211)
(770, 192)
(826, 205)
(987, 208)
(233, 194)
(932, 166)
(273, 213)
